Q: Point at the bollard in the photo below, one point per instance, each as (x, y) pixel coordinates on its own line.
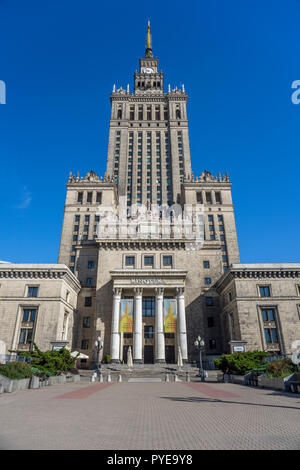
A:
(100, 378)
(108, 377)
(167, 378)
(187, 377)
(120, 378)
(176, 378)
(93, 377)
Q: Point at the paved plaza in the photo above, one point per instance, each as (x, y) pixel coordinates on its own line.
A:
(152, 415)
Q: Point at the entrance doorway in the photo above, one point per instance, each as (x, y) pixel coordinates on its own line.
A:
(170, 354)
(148, 355)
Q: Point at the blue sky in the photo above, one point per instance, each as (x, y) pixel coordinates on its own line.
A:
(237, 60)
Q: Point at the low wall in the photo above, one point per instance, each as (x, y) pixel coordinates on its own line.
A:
(9, 385)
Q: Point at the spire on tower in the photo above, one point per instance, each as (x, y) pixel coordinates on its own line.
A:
(148, 52)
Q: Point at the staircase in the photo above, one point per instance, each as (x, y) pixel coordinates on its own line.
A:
(147, 373)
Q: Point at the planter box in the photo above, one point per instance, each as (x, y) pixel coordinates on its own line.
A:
(274, 383)
(13, 385)
(237, 379)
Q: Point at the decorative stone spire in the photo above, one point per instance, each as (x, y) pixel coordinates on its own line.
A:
(148, 52)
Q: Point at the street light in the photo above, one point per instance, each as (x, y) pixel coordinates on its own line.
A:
(98, 346)
(199, 344)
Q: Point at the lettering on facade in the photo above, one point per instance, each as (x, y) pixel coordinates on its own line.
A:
(148, 281)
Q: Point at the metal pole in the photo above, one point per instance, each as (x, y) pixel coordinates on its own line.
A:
(98, 358)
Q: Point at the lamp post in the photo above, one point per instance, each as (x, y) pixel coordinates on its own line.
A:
(98, 346)
(199, 344)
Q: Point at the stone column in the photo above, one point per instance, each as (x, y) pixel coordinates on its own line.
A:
(181, 323)
(115, 327)
(138, 327)
(160, 354)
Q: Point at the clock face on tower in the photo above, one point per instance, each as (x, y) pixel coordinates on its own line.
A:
(148, 70)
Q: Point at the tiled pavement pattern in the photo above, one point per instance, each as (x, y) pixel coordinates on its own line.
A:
(149, 416)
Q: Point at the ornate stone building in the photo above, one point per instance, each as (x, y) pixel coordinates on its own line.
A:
(143, 276)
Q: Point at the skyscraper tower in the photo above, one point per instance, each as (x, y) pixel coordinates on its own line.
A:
(153, 272)
(148, 150)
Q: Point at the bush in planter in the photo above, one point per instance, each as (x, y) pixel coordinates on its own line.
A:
(241, 363)
(107, 359)
(16, 370)
(53, 362)
(281, 368)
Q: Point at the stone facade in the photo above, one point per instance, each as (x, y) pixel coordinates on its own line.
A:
(38, 302)
(261, 306)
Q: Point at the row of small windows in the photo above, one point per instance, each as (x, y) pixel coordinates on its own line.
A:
(208, 197)
(89, 197)
(141, 114)
(155, 84)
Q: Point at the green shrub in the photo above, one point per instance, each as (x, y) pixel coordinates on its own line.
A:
(107, 359)
(241, 363)
(16, 370)
(49, 362)
(281, 368)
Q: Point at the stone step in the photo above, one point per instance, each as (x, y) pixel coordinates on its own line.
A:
(145, 379)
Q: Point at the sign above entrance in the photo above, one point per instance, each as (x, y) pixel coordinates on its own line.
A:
(151, 281)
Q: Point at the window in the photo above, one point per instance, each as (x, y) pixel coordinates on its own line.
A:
(167, 260)
(26, 335)
(88, 301)
(212, 343)
(208, 198)
(271, 335)
(89, 281)
(206, 264)
(169, 335)
(264, 291)
(218, 198)
(86, 322)
(209, 301)
(89, 197)
(77, 218)
(210, 322)
(32, 291)
(130, 261)
(87, 218)
(148, 306)
(207, 281)
(91, 264)
(29, 315)
(99, 198)
(148, 331)
(85, 344)
(268, 314)
(72, 259)
(148, 260)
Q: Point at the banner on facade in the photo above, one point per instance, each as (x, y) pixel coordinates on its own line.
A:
(126, 318)
(170, 315)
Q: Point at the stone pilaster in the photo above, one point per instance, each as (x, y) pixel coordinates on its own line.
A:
(159, 326)
(138, 327)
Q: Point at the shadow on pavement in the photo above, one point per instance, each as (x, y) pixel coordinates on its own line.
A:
(216, 400)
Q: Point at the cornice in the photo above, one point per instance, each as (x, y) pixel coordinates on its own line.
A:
(258, 273)
(144, 244)
(40, 273)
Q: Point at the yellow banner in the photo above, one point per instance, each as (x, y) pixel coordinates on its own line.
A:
(126, 318)
(170, 315)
